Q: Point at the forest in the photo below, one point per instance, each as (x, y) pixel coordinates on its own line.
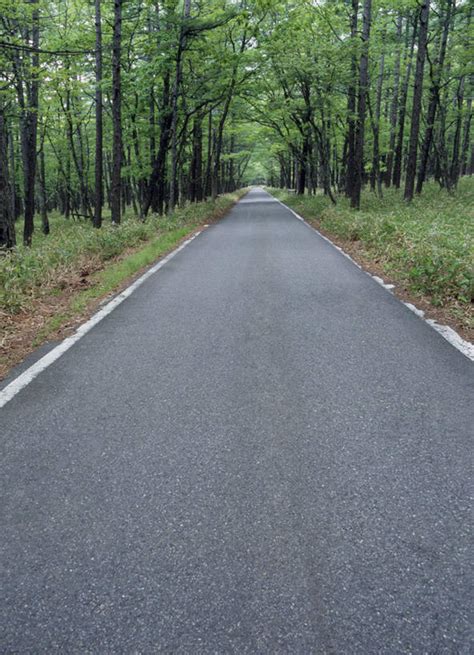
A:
(123, 113)
(236, 326)
(141, 105)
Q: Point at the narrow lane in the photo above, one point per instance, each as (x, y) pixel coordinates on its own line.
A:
(260, 451)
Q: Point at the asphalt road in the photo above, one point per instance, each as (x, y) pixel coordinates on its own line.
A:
(260, 451)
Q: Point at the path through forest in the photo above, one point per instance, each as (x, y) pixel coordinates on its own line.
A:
(260, 450)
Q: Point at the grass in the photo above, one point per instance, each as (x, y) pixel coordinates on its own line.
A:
(427, 245)
(111, 277)
(61, 277)
(28, 273)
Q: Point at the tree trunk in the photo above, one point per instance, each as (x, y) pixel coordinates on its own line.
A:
(351, 107)
(434, 99)
(15, 195)
(155, 195)
(174, 101)
(29, 132)
(99, 155)
(116, 182)
(375, 180)
(68, 189)
(42, 194)
(7, 220)
(43, 201)
(362, 102)
(139, 192)
(208, 187)
(217, 149)
(455, 161)
(417, 96)
(465, 143)
(231, 180)
(397, 166)
(302, 166)
(439, 143)
(394, 105)
(195, 173)
(225, 110)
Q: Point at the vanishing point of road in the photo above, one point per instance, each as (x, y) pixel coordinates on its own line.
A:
(261, 450)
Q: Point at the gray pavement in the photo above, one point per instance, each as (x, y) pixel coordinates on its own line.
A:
(260, 451)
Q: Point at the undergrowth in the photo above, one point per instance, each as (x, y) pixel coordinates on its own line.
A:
(428, 244)
(26, 273)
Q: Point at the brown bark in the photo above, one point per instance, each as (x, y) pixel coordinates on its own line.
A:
(467, 129)
(375, 179)
(417, 96)
(394, 104)
(208, 184)
(29, 127)
(116, 182)
(351, 107)
(455, 160)
(99, 155)
(217, 150)
(195, 173)
(174, 101)
(155, 195)
(362, 103)
(43, 201)
(397, 166)
(436, 75)
(7, 221)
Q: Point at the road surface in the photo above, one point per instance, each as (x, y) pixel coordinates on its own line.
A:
(260, 451)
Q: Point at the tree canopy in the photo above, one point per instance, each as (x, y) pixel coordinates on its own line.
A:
(143, 104)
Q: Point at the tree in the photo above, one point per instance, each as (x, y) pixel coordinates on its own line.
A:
(174, 100)
(358, 171)
(436, 77)
(417, 97)
(394, 102)
(7, 224)
(99, 157)
(26, 72)
(398, 161)
(116, 179)
(352, 105)
(131, 108)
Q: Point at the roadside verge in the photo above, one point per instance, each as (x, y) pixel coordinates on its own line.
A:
(459, 338)
(54, 310)
(405, 248)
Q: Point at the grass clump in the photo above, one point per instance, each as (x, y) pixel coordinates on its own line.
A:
(44, 269)
(427, 244)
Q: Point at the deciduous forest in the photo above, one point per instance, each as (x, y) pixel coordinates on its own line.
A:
(131, 110)
(139, 104)
(236, 326)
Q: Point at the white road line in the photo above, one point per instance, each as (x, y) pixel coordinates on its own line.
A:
(445, 331)
(33, 371)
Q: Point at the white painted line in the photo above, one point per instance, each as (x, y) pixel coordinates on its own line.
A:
(33, 371)
(383, 284)
(415, 310)
(445, 331)
(453, 337)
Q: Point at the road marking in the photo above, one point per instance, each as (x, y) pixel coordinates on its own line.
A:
(465, 347)
(33, 371)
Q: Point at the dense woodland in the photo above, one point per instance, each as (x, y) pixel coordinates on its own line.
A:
(116, 106)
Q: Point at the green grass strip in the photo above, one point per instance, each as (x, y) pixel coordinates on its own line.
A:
(111, 243)
(111, 278)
